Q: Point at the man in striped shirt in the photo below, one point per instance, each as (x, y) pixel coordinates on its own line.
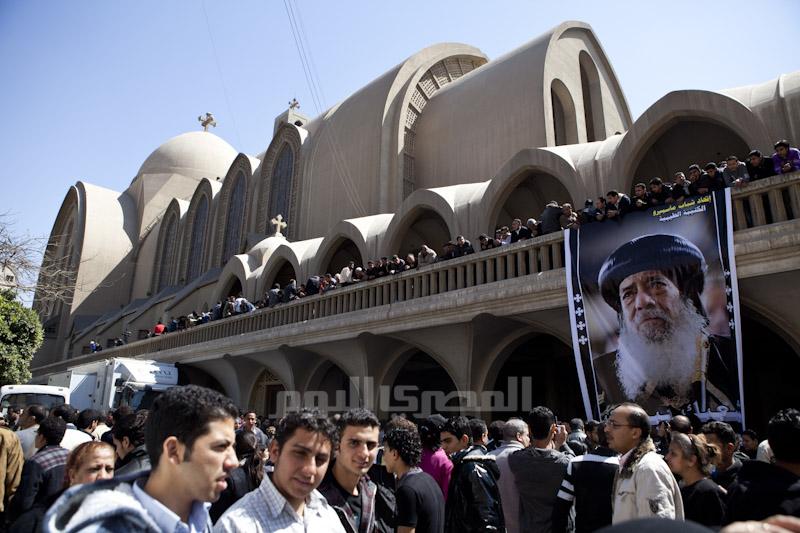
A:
(588, 485)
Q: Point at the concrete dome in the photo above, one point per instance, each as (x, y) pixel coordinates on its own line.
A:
(196, 153)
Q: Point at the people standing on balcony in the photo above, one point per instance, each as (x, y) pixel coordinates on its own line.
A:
(785, 159)
(617, 205)
(486, 243)
(274, 296)
(346, 274)
(641, 199)
(426, 256)
(159, 329)
(518, 231)
(548, 220)
(411, 262)
(680, 188)
(735, 173)
(758, 166)
(568, 218)
(660, 192)
(463, 247)
(396, 265)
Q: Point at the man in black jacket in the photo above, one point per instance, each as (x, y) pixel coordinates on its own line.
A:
(758, 166)
(42, 474)
(761, 489)
(473, 497)
(129, 441)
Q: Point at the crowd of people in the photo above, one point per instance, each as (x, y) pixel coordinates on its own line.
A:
(159, 470)
(615, 205)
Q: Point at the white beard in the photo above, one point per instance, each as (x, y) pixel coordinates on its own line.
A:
(668, 360)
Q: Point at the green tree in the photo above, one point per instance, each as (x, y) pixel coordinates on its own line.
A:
(20, 336)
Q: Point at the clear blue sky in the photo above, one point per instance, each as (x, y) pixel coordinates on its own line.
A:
(90, 88)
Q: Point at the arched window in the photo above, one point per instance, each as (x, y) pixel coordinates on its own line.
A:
(167, 267)
(565, 126)
(281, 184)
(234, 219)
(592, 99)
(197, 243)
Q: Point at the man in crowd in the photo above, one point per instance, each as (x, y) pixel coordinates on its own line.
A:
(480, 433)
(641, 199)
(189, 435)
(750, 443)
(725, 438)
(539, 470)
(43, 474)
(73, 436)
(495, 431)
(473, 497)
(762, 489)
(274, 295)
(577, 439)
(287, 499)
(680, 186)
(617, 205)
(420, 503)
(758, 166)
(250, 423)
(681, 424)
(518, 231)
(644, 486)
(516, 437)
(87, 422)
(549, 219)
(360, 503)
(785, 159)
(568, 218)
(660, 192)
(463, 247)
(129, 442)
(11, 461)
(114, 417)
(735, 173)
(29, 422)
(588, 485)
(664, 356)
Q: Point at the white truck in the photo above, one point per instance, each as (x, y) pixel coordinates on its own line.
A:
(111, 383)
(23, 395)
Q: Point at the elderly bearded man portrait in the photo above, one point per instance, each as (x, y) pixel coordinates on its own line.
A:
(665, 357)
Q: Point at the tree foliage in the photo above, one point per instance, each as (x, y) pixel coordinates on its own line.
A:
(20, 336)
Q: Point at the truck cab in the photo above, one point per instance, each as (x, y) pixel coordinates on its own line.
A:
(110, 383)
(22, 396)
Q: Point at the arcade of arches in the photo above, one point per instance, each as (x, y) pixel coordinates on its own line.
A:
(280, 275)
(341, 254)
(684, 142)
(427, 227)
(527, 199)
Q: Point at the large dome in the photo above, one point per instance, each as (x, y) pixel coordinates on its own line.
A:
(197, 153)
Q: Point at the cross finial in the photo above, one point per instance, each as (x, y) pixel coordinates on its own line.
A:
(279, 225)
(294, 104)
(207, 121)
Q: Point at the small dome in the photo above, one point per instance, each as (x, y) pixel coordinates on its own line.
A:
(197, 153)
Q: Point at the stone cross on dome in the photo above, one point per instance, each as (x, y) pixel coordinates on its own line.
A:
(279, 225)
(207, 121)
(294, 104)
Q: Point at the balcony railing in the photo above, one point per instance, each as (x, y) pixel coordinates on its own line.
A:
(764, 202)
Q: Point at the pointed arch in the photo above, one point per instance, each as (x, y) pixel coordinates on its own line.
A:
(195, 235)
(565, 123)
(231, 213)
(280, 182)
(168, 247)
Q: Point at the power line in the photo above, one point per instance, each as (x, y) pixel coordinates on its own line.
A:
(303, 59)
(221, 76)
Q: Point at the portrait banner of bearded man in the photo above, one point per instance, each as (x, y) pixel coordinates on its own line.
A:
(653, 302)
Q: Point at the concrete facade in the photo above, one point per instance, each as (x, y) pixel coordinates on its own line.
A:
(448, 142)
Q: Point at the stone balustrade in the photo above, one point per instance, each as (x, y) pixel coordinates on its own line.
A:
(768, 201)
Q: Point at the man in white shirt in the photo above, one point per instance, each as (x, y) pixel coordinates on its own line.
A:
(73, 437)
(644, 487)
(516, 436)
(29, 424)
(189, 436)
(287, 499)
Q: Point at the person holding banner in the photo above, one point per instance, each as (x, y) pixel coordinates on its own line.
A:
(664, 358)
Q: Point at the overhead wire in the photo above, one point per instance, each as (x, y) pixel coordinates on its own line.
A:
(315, 89)
(221, 75)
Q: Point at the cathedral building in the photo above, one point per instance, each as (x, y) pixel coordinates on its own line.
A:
(448, 142)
